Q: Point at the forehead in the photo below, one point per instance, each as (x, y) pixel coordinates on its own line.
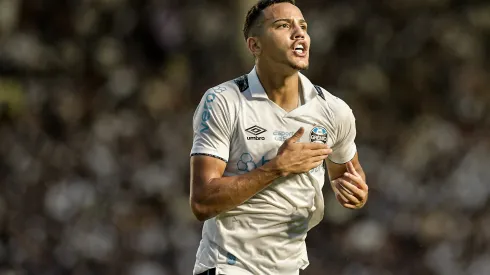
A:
(282, 11)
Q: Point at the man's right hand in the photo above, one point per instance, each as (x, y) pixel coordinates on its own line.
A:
(295, 158)
(211, 193)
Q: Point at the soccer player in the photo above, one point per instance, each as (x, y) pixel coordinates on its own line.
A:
(261, 145)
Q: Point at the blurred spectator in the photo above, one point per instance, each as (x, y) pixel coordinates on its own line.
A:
(96, 103)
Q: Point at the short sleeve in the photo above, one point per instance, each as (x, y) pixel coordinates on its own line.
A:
(344, 148)
(213, 125)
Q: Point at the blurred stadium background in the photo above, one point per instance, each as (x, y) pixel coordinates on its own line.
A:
(96, 102)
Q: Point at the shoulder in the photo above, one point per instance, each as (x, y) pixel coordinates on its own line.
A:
(219, 105)
(336, 106)
(227, 92)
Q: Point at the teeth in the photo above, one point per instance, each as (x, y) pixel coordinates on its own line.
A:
(299, 47)
(299, 50)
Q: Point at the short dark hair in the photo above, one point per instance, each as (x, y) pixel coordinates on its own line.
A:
(254, 13)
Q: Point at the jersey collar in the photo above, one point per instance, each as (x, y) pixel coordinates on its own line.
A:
(257, 90)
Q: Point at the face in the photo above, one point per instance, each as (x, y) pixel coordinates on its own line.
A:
(284, 40)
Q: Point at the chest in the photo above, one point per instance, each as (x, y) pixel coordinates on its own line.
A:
(262, 127)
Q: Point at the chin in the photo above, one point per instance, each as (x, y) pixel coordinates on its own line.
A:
(300, 66)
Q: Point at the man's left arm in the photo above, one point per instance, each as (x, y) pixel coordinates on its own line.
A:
(346, 176)
(348, 182)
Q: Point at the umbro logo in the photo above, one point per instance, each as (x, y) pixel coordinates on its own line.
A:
(255, 130)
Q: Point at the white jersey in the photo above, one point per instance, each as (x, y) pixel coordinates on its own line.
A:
(237, 123)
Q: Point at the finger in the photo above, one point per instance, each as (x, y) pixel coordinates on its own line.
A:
(313, 162)
(352, 188)
(345, 203)
(297, 135)
(349, 197)
(321, 152)
(315, 146)
(318, 158)
(358, 180)
(341, 199)
(316, 164)
(351, 168)
(350, 206)
(338, 187)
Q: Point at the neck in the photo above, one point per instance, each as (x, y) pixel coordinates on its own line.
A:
(282, 88)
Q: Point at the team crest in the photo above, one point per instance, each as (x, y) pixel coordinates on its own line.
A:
(318, 134)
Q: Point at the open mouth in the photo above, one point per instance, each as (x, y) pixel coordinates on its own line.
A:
(300, 50)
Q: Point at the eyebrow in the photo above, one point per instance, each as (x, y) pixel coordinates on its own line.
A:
(289, 20)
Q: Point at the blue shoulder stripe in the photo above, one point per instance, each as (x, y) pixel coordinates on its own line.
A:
(319, 91)
(242, 82)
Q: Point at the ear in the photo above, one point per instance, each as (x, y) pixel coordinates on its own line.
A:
(254, 46)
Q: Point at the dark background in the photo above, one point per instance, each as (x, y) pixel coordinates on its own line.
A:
(96, 103)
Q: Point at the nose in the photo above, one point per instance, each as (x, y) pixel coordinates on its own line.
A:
(299, 32)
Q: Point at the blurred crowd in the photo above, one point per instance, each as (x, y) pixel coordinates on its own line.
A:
(96, 104)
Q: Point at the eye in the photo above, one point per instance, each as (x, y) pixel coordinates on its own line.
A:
(304, 27)
(285, 25)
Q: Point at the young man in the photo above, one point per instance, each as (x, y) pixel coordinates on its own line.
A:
(261, 144)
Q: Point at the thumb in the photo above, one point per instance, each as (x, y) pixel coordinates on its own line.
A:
(350, 168)
(297, 135)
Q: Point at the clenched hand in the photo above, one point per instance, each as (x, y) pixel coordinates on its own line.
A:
(350, 189)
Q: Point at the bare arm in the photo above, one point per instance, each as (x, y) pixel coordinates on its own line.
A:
(212, 194)
(348, 181)
(336, 170)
